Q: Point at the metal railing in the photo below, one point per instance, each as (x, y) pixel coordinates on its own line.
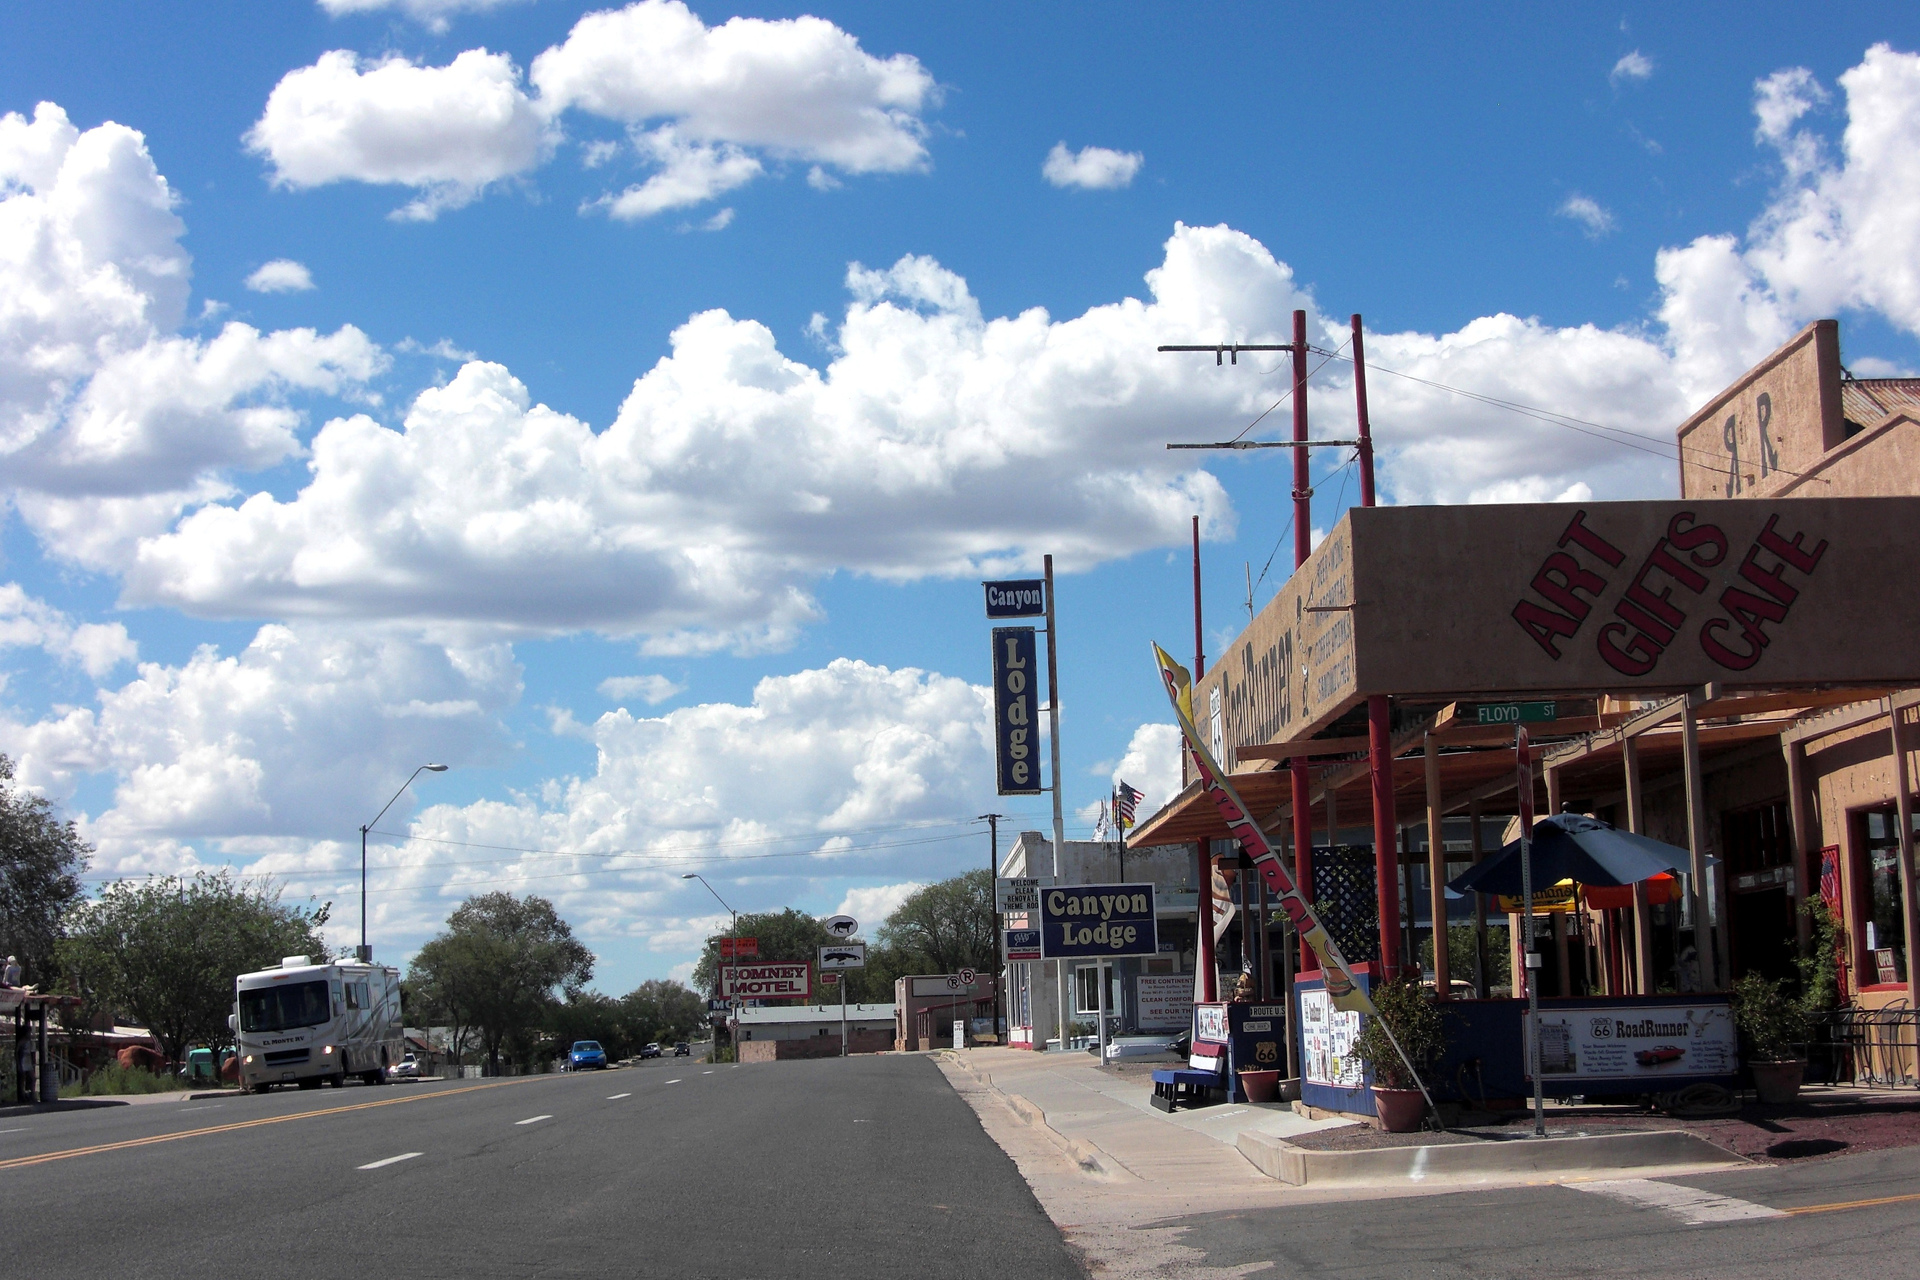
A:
(1878, 1047)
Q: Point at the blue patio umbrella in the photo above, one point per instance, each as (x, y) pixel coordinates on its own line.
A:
(1572, 846)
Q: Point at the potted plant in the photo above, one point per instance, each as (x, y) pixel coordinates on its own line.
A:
(1404, 1007)
(1773, 1029)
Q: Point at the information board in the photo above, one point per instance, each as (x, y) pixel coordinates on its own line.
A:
(1639, 1043)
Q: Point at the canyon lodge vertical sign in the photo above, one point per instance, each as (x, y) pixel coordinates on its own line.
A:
(1016, 718)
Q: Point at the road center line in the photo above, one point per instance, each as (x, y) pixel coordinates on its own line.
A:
(617, 1096)
(1692, 1206)
(1854, 1204)
(21, 1162)
(381, 1164)
(532, 1120)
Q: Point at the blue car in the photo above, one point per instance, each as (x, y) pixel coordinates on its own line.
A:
(585, 1054)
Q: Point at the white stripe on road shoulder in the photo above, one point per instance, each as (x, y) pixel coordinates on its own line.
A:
(615, 1097)
(1692, 1206)
(381, 1164)
(533, 1120)
(12, 1130)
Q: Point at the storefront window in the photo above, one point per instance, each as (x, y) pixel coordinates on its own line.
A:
(1885, 928)
(1086, 990)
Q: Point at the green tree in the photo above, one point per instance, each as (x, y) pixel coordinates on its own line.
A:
(663, 1010)
(41, 859)
(588, 1015)
(787, 935)
(167, 950)
(499, 968)
(946, 926)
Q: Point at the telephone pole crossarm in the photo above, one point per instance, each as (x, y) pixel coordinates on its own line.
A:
(1273, 444)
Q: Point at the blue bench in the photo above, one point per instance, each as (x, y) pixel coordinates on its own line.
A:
(1175, 1085)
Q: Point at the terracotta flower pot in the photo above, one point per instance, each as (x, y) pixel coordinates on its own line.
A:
(1398, 1110)
(1260, 1086)
(1777, 1082)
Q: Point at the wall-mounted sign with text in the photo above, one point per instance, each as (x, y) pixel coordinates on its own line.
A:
(1098, 921)
(1018, 598)
(1016, 703)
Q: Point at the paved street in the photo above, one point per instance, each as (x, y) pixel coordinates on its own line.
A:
(869, 1167)
(1817, 1216)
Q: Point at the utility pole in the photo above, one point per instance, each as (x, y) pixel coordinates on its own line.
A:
(993, 910)
(1059, 818)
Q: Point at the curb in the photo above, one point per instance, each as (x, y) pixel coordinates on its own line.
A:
(1089, 1157)
(1483, 1161)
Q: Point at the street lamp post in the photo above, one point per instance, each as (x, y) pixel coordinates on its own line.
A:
(364, 953)
(733, 1002)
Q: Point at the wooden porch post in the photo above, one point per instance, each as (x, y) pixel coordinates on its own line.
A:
(1705, 943)
(1642, 911)
(1479, 909)
(1806, 875)
(1437, 874)
(1909, 908)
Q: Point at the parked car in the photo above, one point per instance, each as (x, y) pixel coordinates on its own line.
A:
(681, 1049)
(408, 1068)
(586, 1054)
(652, 1050)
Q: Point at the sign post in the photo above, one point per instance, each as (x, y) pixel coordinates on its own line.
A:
(837, 957)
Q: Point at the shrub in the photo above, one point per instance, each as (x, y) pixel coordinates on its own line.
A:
(115, 1079)
(1773, 1024)
(1404, 1007)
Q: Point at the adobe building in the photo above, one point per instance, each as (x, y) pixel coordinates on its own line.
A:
(1724, 672)
(777, 1033)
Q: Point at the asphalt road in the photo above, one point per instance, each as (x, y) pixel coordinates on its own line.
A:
(1849, 1217)
(864, 1167)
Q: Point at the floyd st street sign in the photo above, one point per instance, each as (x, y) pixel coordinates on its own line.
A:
(1098, 921)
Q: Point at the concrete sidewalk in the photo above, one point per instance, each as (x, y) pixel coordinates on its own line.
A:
(1104, 1121)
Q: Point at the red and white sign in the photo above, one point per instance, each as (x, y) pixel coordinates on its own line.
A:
(787, 981)
(739, 948)
(829, 979)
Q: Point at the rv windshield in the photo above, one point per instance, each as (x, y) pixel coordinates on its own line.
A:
(298, 1004)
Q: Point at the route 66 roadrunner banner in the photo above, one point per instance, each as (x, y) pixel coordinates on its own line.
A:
(1341, 987)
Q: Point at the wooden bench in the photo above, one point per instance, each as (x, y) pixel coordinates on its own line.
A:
(1175, 1085)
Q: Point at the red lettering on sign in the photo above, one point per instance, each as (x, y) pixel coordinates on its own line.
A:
(1544, 624)
(1577, 531)
(1791, 551)
(1685, 538)
(1636, 658)
(1768, 580)
(1561, 576)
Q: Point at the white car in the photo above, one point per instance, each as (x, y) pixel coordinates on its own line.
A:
(408, 1068)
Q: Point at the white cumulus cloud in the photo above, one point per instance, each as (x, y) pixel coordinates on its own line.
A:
(1595, 219)
(1151, 766)
(650, 689)
(690, 173)
(30, 623)
(1632, 66)
(448, 132)
(282, 275)
(1094, 168)
(435, 15)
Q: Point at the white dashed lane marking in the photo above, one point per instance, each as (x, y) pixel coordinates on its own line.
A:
(381, 1164)
(675, 1081)
(1694, 1207)
(533, 1120)
(615, 1097)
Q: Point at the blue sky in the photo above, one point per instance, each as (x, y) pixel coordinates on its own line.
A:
(270, 545)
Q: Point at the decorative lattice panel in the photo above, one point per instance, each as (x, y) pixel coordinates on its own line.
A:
(1344, 899)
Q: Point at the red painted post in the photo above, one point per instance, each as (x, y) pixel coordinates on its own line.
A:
(1203, 945)
(1386, 870)
(1199, 643)
(1360, 409)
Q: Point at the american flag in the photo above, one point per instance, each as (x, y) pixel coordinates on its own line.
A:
(1830, 877)
(1124, 800)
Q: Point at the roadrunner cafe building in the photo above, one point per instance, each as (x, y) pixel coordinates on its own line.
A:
(1732, 671)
